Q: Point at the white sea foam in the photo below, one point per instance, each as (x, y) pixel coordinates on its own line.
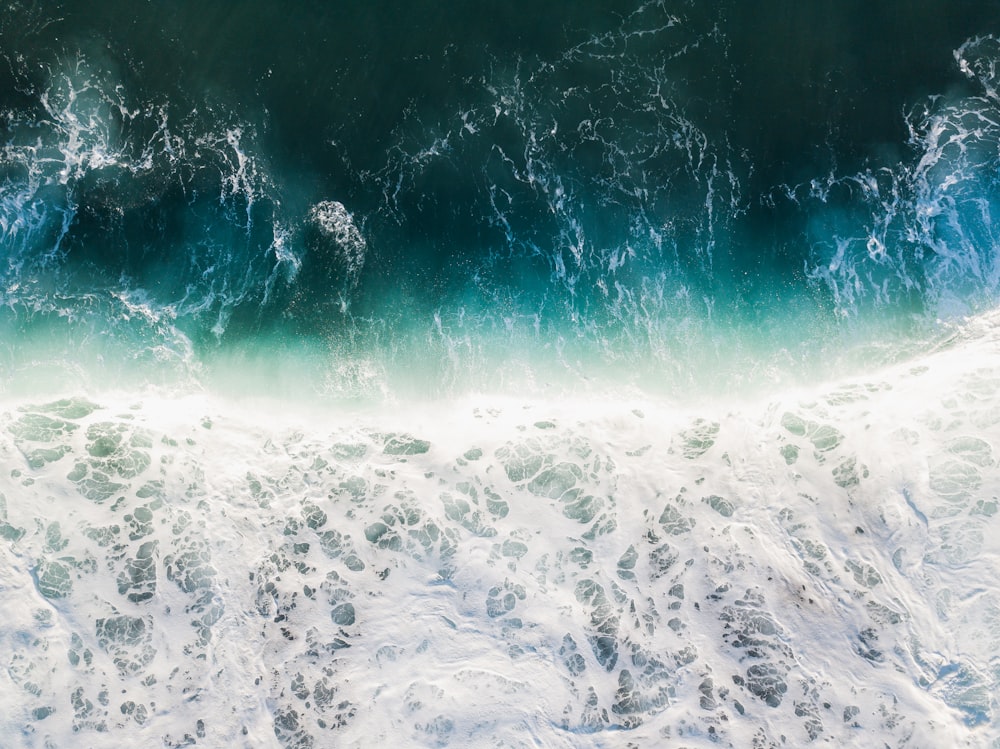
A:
(335, 222)
(813, 566)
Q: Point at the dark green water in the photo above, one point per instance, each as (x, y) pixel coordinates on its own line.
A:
(354, 199)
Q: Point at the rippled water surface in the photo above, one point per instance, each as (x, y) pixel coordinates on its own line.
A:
(561, 374)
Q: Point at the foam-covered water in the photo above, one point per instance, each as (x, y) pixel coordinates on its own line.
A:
(621, 374)
(817, 566)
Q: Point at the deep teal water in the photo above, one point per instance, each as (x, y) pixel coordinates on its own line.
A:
(605, 373)
(662, 194)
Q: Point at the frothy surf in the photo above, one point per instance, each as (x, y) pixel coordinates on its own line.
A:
(495, 571)
(528, 378)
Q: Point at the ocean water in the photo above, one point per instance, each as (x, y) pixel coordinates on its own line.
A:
(595, 374)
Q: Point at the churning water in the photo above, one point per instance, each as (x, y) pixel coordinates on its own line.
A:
(616, 374)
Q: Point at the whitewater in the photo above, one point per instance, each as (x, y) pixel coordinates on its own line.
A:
(610, 375)
(815, 566)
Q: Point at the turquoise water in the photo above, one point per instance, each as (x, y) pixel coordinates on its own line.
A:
(592, 374)
(438, 199)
